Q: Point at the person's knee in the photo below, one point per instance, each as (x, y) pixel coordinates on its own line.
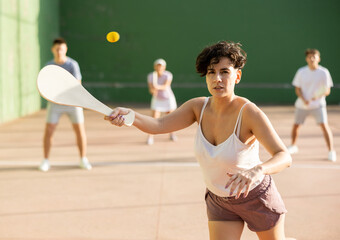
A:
(296, 126)
(79, 129)
(50, 128)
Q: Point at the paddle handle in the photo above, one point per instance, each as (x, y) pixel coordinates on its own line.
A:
(129, 118)
(102, 108)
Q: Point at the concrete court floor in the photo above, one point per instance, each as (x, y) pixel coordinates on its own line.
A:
(140, 192)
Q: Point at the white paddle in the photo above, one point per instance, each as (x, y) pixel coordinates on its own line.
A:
(320, 92)
(57, 85)
(154, 82)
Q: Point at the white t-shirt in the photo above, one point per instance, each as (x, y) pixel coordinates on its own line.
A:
(312, 83)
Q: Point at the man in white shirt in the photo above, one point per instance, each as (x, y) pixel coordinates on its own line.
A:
(312, 85)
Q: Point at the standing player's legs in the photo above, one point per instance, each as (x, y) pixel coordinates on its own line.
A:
(52, 119)
(321, 118)
(48, 134)
(76, 116)
(300, 116)
(79, 129)
(47, 143)
(295, 133)
(327, 133)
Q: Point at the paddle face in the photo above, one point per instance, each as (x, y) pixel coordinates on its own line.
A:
(57, 85)
(320, 92)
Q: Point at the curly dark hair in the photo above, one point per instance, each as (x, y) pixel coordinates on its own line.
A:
(213, 54)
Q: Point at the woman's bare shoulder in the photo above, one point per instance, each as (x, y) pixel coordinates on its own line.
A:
(196, 105)
(252, 112)
(197, 102)
(250, 109)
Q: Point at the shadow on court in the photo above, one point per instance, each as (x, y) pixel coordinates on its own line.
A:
(141, 192)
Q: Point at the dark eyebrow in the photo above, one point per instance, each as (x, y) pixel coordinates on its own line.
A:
(223, 69)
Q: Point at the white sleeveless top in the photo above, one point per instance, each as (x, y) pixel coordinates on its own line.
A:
(230, 156)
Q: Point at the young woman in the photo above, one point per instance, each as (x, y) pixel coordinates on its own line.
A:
(239, 186)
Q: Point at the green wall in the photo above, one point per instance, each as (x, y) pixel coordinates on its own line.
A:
(27, 29)
(273, 33)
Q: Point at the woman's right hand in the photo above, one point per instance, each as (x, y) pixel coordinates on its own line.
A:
(117, 116)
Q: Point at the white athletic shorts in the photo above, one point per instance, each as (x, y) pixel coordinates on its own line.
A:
(54, 111)
(320, 115)
(163, 105)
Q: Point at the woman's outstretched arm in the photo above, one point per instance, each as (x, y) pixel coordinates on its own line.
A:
(181, 118)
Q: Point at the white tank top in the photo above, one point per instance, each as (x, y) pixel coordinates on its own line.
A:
(230, 156)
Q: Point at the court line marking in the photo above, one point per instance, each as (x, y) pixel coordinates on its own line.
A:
(330, 166)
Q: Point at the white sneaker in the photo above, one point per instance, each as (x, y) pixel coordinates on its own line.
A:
(332, 156)
(85, 164)
(173, 137)
(149, 141)
(292, 149)
(45, 165)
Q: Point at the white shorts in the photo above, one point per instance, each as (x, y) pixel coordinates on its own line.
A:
(320, 115)
(163, 105)
(54, 111)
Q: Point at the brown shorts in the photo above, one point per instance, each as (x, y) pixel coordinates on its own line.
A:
(261, 209)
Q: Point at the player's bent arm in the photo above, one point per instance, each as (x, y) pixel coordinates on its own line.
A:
(328, 91)
(263, 130)
(181, 118)
(298, 92)
(163, 86)
(152, 89)
(257, 124)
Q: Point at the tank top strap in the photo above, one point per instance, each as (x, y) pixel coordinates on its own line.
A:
(237, 127)
(204, 105)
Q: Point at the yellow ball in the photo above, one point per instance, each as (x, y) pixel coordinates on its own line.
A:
(112, 37)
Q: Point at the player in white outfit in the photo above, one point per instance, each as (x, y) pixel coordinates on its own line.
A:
(163, 99)
(312, 85)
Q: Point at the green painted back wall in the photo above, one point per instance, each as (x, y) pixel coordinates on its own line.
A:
(27, 29)
(275, 35)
